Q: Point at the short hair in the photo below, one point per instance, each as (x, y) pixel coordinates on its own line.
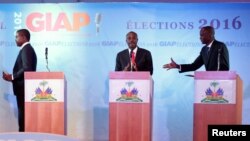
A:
(24, 32)
(132, 33)
(210, 29)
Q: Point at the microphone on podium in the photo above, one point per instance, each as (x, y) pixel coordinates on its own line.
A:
(46, 53)
(98, 17)
(46, 57)
(218, 59)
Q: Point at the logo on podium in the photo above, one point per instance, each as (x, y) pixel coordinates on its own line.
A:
(215, 91)
(214, 94)
(129, 91)
(128, 94)
(43, 94)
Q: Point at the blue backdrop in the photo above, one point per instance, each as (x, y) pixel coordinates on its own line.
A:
(84, 38)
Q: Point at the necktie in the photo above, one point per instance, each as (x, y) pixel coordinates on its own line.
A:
(133, 57)
(133, 64)
(207, 51)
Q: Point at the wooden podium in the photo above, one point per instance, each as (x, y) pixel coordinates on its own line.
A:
(130, 106)
(218, 101)
(45, 102)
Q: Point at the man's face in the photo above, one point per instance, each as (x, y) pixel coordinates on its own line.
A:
(19, 39)
(205, 36)
(132, 40)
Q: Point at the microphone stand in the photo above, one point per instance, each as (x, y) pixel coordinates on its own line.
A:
(97, 22)
(46, 57)
(218, 60)
(47, 66)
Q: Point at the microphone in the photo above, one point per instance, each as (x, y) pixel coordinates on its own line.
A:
(46, 53)
(46, 57)
(218, 59)
(98, 17)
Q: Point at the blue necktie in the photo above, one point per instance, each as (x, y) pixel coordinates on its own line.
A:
(207, 51)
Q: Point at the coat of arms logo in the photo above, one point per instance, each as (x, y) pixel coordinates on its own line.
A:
(214, 94)
(129, 93)
(43, 93)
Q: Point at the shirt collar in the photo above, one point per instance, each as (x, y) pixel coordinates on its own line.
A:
(134, 50)
(209, 45)
(24, 45)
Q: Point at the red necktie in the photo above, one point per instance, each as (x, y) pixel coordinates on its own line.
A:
(133, 57)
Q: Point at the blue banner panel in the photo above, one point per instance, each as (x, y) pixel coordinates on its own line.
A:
(82, 40)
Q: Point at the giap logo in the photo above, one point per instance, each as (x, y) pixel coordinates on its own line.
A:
(37, 21)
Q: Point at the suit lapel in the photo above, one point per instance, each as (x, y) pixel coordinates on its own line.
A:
(17, 61)
(204, 55)
(138, 55)
(127, 56)
(211, 52)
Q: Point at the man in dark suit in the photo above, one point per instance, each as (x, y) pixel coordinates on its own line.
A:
(134, 58)
(26, 61)
(214, 55)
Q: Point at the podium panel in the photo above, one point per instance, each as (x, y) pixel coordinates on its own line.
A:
(218, 101)
(130, 106)
(45, 103)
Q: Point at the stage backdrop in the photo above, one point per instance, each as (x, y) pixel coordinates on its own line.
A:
(84, 38)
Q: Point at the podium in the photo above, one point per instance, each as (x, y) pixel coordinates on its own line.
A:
(130, 106)
(218, 101)
(45, 102)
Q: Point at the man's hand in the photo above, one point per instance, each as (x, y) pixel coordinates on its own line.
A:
(134, 66)
(7, 77)
(171, 65)
(127, 68)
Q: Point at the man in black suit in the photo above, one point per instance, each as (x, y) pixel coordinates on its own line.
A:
(134, 58)
(26, 61)
(214, 55)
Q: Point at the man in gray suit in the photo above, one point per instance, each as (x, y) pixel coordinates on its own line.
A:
(134, 58)
(214, 55)
(26, 61)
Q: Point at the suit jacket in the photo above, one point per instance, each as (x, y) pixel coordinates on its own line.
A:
(218, 51)
(26, 61)
(143, 60)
